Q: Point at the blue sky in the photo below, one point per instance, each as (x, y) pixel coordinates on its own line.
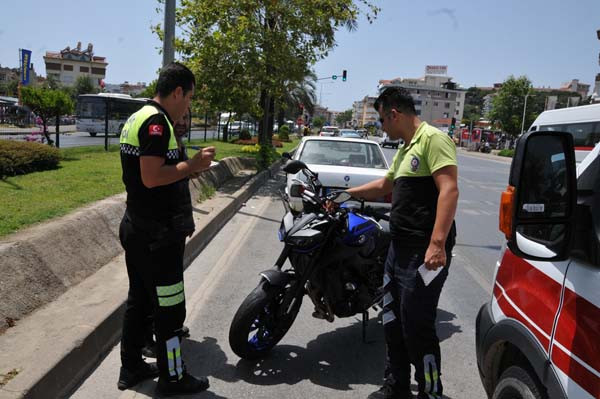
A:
(481, 41)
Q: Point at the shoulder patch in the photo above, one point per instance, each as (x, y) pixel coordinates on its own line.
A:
(155, 130)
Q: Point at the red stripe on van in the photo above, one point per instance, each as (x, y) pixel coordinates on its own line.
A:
(532, 291)
(584, 148)
(578, 330)
(512, 313)
(576, 372)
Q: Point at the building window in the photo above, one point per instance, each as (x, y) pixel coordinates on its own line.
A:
(458, 103)
(67, 67)
(99, 71)
(447, 95)
(84, 69)
(435, 103)
(456, 112)
(418, 91)
(53, 66)
(445, 115)
(447, 105)
(67, 79)
(426, 102)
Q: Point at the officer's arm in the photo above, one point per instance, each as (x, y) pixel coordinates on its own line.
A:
(155, 173)
(373, 190)
(446, 183)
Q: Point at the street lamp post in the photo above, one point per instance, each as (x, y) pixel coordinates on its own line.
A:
(524, 111)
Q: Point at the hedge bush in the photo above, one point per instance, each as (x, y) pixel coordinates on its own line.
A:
(19, 158)
(284, 133)
(245, 134)
(506, 153)
(254, 140)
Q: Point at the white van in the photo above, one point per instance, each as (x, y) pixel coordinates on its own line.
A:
(582, 122)
(538, 337)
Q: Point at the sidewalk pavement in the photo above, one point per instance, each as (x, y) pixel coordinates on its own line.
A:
(50, 351)
(491, 156)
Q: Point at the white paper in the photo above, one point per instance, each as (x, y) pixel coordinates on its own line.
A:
(428, 275)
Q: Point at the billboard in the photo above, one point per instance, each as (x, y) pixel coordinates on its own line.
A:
(436, 69)
(25, 56)
(465, 134)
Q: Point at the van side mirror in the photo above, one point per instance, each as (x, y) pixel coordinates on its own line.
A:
(537, 211)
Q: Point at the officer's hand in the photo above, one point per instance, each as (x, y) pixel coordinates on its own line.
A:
(202, 159)
(435, 256)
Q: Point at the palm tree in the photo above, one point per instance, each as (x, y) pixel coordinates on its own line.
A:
(298, 95)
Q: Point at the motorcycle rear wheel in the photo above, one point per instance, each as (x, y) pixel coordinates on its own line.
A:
(259, 323)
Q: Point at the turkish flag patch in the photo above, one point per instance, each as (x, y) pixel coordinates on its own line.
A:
(155, 130)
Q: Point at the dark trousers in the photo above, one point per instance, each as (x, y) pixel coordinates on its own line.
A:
(155, 287)
(409, 314)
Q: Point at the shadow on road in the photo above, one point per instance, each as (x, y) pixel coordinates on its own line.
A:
(336, 360)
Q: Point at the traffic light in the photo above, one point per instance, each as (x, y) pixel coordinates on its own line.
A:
(344, 75)
(452, 127)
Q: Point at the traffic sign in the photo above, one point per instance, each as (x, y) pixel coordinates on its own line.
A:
(334, 77)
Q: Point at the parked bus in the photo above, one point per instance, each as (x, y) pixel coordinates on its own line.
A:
(91, 112)
(582, 122)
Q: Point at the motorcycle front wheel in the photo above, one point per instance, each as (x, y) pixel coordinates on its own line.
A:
(261, 320)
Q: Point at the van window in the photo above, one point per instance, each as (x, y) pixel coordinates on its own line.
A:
(585, 134)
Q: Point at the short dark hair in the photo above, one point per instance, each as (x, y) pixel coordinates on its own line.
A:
(172, 76)
(396, 97)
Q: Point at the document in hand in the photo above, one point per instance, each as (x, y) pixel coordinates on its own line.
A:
(428, 275)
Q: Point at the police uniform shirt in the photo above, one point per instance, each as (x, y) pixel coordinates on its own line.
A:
(415, 195)
(162, 202)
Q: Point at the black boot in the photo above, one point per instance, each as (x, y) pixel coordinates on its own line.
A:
(129, 377)
(188, 384)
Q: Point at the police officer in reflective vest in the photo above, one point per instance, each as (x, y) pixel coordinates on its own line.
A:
(157, 220)
(423, 183)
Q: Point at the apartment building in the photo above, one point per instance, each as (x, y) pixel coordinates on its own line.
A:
(437, 98)
(69, 64)
(364, 113)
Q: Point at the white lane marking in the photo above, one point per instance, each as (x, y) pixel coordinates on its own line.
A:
(475, 274)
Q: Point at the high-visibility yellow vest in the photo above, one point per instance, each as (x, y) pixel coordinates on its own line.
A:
(130, 142)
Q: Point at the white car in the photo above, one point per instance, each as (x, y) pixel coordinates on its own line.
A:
(340, 163)
(329, 131)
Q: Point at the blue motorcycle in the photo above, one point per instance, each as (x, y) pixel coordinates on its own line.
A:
(336, 247)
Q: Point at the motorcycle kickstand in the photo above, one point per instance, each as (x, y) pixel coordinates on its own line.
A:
(365, 323)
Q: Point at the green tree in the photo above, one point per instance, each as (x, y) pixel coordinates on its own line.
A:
(344, 117)
(84, 85)
(247, 50)
(318, 122)
(149, 91)
(47, 103)
(508, 104)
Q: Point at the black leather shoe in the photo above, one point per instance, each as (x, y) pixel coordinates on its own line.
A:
(131, 377)
(388, 392)
(149, 351)
(187, 385)
(184, 332)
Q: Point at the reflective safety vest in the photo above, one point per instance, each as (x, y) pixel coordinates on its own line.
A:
(130, 142)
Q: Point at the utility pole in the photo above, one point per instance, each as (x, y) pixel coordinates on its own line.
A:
(169, 39)
(524, 110)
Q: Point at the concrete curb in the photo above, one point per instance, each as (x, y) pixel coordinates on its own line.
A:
(59, 358)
